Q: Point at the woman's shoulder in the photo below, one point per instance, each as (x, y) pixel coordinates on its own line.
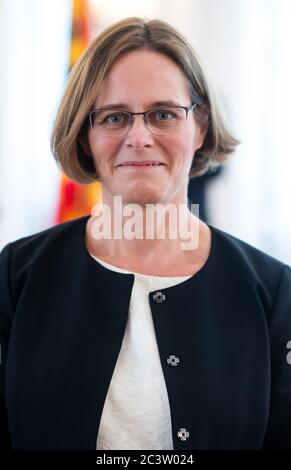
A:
(233, 243)
(243, 257)
(45, 242)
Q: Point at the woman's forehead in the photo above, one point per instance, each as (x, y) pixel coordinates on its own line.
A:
(146, 75)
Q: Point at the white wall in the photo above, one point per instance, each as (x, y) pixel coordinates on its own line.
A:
(34, 41)
(246, 46)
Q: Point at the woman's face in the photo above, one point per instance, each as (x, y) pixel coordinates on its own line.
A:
(138, 80)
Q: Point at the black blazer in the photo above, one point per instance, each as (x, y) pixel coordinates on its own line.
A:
(62, 321)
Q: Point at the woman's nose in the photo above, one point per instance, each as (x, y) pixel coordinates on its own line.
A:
(139, 134)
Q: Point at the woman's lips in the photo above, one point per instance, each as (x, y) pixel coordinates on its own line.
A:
(140, 165)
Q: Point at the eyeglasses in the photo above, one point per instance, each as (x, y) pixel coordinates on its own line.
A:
(160, 121)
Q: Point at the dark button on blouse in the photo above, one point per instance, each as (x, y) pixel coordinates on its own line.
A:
(183, 434)
(173, 360)
(159, 297)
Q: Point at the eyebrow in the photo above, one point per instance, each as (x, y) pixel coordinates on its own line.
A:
(151, 105)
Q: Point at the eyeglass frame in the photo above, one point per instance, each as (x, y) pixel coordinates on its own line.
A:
(144, 113)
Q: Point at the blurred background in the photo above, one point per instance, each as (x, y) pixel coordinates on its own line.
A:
(246, 47)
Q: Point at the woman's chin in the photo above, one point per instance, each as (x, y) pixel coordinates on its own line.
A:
(142, 194)
(142, 199)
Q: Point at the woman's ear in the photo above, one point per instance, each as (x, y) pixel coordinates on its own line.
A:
(200, 134)
(83, 142)
(202, 120)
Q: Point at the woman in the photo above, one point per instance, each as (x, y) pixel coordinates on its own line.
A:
(115, 341)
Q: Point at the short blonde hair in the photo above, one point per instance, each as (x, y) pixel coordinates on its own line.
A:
(85, 80)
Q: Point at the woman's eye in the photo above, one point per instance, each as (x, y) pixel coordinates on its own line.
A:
(164, 115)
(114, 119)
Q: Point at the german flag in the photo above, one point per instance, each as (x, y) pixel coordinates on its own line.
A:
(76, 200)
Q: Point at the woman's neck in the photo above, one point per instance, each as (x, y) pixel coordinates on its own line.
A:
(183, 254)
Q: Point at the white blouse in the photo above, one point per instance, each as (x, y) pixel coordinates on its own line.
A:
(136, 413)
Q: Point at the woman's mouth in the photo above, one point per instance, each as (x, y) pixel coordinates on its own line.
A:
(140, 165)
